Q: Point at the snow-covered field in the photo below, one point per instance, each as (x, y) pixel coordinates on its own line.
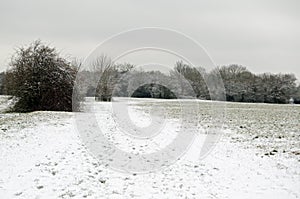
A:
(258, 155)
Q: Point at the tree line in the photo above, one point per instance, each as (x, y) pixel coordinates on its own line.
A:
(41, 79)
(185, 81)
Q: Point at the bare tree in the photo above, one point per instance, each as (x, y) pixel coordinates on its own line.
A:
(190, 77)
(106, 75)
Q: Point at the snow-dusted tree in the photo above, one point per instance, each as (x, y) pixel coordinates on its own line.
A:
(41, 79)
(108, 74)
(104, 67)
(243, 86)
(190, 77)
(276, 88)
(100, 78)
(232, 77)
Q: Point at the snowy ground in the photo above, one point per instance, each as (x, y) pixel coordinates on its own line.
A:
(258, 156)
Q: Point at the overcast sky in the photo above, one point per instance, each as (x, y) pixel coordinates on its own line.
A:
(261, 35)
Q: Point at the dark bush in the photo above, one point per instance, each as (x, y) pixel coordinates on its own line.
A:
(41, 79)
(2, 78)
(153, 91)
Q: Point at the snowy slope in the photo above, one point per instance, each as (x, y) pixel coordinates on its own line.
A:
(42, 156)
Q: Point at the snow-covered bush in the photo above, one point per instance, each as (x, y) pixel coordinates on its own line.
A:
(40, 79)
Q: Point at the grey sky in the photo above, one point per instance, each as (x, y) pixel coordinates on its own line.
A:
(261, 35)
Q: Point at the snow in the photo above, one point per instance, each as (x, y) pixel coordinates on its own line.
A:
(43, 156)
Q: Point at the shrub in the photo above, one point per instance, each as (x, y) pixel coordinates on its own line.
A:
(41, 79)
(153, 91)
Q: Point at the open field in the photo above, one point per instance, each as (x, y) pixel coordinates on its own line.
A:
(257, 156)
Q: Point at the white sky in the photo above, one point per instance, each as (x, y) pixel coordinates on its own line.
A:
(261, 35)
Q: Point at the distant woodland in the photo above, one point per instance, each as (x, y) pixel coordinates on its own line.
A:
(42, 80)
(185, 81)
